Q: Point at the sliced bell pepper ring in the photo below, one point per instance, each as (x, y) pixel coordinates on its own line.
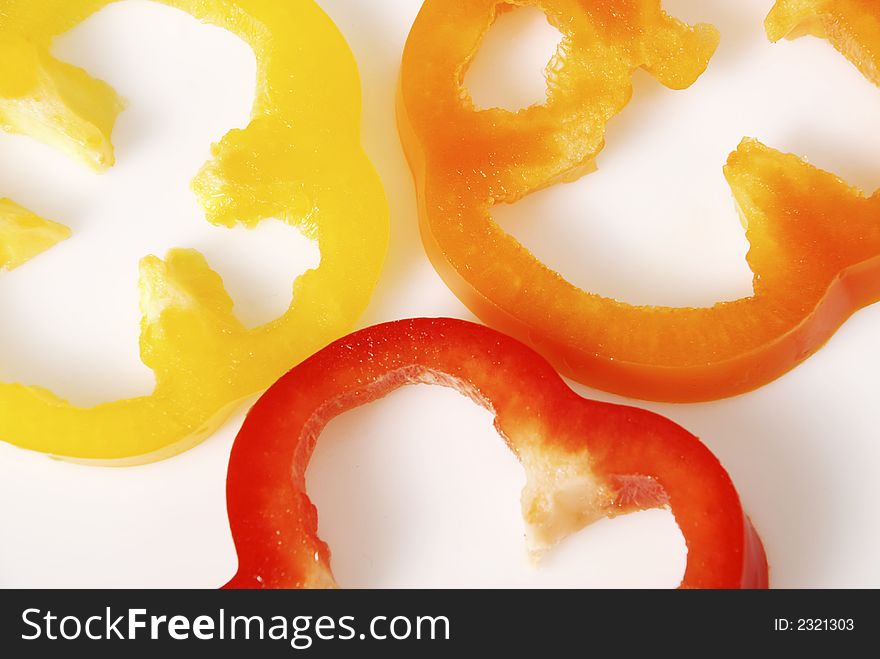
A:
(584, 460)
(815, 241)
(299, 160)
(852, 26)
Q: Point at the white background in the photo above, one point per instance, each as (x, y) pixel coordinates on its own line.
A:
(417, 490)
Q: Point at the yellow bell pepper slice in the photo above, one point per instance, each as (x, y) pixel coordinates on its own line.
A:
(300, 160)
(852, 26)
(23, 235)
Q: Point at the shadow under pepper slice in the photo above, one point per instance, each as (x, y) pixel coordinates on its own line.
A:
(583, 459)
(815, 241)
(299, 160)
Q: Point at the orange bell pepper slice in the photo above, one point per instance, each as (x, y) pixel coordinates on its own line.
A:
(584, 460)
(815, 240)
(299, 160)
(852, 26)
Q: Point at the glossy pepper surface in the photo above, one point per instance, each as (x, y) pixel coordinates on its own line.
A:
(815, 241)
(299, 160)
(584, 460)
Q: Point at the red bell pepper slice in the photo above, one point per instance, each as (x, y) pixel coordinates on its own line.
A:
(584, 459)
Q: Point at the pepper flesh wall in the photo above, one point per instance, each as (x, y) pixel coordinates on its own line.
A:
(23, 235)
(852, 27)
(300, 160)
